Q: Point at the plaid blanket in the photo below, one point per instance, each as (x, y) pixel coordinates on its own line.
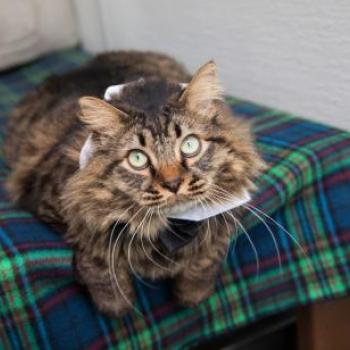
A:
(299, 256)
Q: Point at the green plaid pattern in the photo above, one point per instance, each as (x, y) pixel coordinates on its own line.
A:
(306, 190)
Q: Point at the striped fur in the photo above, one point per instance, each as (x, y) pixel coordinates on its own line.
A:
(47, 131)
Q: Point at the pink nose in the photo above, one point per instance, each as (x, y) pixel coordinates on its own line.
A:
(172, 185)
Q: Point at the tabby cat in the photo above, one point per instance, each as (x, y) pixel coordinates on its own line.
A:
(109, 174)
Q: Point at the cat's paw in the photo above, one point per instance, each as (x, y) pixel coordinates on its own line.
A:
(112, 308)
(193, 296)
(111, 305)
(109, 302)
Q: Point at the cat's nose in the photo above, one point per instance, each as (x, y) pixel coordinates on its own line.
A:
(173, 184)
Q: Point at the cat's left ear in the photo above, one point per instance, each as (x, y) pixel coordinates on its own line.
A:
(203, 89)
(100, 116)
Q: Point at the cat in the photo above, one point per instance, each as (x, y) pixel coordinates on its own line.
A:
(108, 173)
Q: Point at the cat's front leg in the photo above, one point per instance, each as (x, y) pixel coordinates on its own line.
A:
(111, 292)
(196, 283)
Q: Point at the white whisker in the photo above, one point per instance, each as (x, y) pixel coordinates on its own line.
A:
(113, 263)
(156, 249)
(153, 247)
(281, 227)
(110, 245)
(250, 241)
(208, 232)
(129, 252)
(271, 234)
(223, 215)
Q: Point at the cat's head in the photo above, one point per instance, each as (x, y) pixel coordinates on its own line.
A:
(162, 146)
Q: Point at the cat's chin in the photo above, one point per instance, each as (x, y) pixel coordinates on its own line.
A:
(179, 207)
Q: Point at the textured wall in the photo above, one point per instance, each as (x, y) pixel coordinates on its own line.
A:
(294, 55)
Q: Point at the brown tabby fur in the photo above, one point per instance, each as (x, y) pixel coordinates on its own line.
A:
(48, 128)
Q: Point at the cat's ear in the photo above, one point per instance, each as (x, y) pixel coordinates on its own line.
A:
(100, 116)
(203, 89)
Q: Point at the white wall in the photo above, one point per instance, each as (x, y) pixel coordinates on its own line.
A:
(30, 28)
(293, 55)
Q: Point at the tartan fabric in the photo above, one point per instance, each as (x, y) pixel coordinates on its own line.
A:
(306, 189)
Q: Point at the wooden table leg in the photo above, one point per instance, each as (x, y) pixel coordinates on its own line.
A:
(324, 326)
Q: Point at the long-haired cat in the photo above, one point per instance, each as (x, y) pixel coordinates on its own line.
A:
(108, 174)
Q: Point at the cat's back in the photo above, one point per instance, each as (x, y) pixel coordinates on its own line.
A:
(46, 113)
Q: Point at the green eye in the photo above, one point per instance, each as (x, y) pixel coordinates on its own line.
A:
(190, 146)
(138, 160)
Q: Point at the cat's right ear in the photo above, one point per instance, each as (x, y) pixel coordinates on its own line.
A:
(203, 89)
(100, 116)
